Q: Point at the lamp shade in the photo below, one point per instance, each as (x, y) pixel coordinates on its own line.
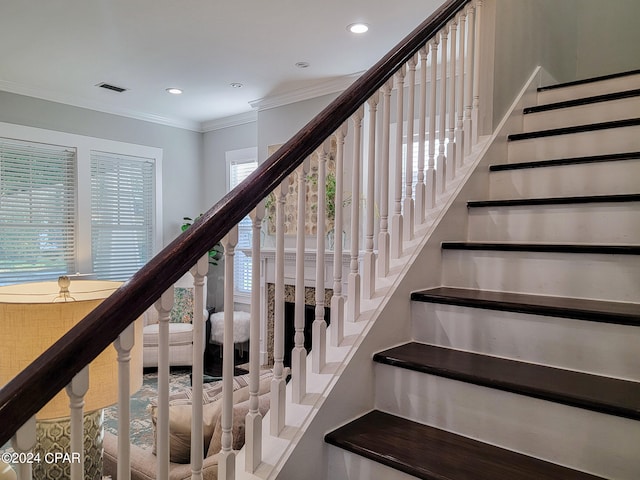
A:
(33, 317)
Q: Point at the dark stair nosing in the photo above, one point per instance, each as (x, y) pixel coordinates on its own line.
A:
(620, 198)
(620, 313)
(577, 389)
(588, 80)
(430, 453)
(545, 247)
(566, 161)
(591, 127)
(578, 102)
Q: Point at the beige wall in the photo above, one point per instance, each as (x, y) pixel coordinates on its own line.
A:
(608, 37)
(571, 39)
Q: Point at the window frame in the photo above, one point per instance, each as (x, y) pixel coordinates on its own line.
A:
(239, 156)
(84, 145)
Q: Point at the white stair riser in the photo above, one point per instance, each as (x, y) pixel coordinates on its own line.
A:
(605, 445)
(629, 82)
(599, 178)
(596, 276)
(578, 223)
(345, 465)
(613, 140)
(561, 342)
(581, 115)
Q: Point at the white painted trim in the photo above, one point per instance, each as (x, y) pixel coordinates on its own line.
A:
(297, 95)
(242, 155)
(232, 121)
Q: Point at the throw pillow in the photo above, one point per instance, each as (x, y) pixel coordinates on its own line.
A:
(238, 428)
(180, 414)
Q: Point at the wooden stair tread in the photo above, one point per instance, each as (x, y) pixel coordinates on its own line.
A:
(577, 308)
(591, 127)
(588, 80)
(430, 453)
(582, 101)
(630, 197)
(593, 392)
(581, 248)
(557, 162)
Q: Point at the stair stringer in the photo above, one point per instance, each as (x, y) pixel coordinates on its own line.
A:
(346, 388)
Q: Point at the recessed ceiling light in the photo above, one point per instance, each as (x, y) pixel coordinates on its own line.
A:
(358, 27)
(236, 85)
(174, 91)
(302, 64)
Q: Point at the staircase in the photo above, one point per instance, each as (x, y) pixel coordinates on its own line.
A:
(524, 364)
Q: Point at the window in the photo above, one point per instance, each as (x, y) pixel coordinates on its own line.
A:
(37, 209)
(70, 203)
(121, 214)
(240, 164)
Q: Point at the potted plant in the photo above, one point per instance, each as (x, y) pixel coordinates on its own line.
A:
(215, 254)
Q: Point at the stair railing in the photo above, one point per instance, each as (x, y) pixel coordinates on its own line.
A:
(351, 142)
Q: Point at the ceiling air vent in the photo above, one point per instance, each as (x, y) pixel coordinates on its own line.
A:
(111, 87)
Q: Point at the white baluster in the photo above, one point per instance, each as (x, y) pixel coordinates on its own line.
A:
(354, 288)
(299, 353)
(397, 228)
(409, 207)
(278, 382)
(441, 165)
(23, 441)
(253, 421)
(475, 109)
(383, 235)
(431, 164)
(369, 258)
(468, 87)
(422, 130)
(163, 305)
(198, 271)
(76, 390)
(319, 327)
(123, 345)
(451, 148)
(337, 300)
(460, 147)
(227, 457)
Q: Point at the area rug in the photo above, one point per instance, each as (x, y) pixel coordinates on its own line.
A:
(141, 429)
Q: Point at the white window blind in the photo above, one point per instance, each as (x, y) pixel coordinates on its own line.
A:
(37, 211)
(238, 171)
(122, 199)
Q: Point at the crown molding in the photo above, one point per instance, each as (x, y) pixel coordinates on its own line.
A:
(232, 121)
(270, 101)
(305, 93)
(70, 100)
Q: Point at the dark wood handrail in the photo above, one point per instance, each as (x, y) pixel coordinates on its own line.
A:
(32, 388)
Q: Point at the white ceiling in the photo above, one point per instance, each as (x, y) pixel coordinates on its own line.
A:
(59, 50)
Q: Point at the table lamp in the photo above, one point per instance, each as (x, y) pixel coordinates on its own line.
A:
(33, 316)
